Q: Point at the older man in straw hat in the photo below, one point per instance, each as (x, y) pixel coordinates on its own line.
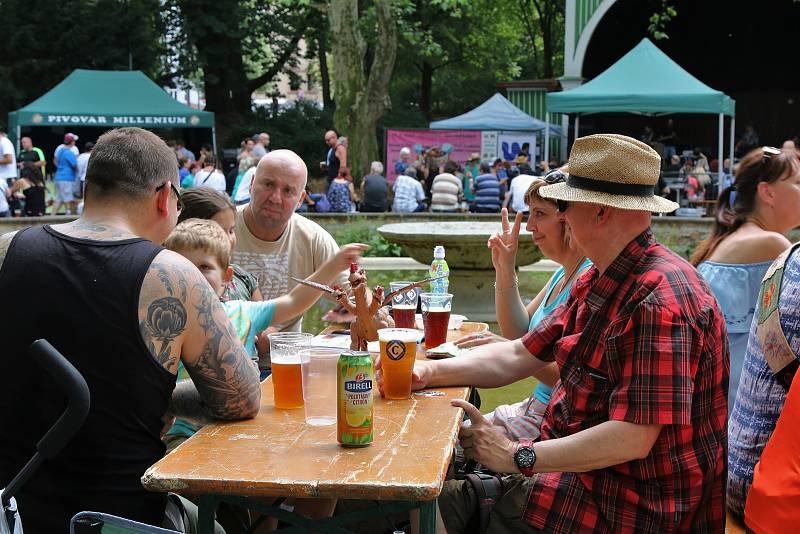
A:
(634, 436)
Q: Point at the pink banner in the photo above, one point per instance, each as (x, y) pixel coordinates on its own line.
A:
(464, 143)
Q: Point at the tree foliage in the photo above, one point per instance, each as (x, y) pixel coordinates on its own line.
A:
(233, 46)
(44, 40)
(660, 19)
(362, 74)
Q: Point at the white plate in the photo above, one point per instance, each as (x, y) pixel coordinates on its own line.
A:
(455, 321)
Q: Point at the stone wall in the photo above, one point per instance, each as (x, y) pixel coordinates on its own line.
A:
(680, 233)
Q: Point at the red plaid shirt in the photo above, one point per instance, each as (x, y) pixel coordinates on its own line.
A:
(645, 342)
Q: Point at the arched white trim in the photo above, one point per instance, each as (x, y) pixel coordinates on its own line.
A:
(574, 67)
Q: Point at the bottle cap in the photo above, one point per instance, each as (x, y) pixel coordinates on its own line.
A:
(438, 252)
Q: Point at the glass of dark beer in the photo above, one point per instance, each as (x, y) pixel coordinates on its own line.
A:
(404, 305)
(436, 317)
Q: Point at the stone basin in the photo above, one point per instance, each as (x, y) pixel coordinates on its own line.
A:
(469, 259)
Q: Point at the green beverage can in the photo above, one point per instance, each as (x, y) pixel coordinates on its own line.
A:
(354, 394)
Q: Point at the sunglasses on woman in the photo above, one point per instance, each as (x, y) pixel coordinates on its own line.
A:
(556, 177)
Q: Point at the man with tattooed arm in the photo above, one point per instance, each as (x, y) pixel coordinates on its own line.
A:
(124, 311)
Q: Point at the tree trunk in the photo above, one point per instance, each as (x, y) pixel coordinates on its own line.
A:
(220, 53)
(426, 89)
(324, 74)
(361, 101)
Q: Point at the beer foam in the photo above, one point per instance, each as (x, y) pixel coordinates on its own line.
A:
(435, 309)
(288, 359)
(406, 335)
(404, 306)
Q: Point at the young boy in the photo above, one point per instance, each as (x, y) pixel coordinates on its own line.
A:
(205, 244)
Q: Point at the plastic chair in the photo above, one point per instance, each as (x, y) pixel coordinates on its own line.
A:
(96, 523)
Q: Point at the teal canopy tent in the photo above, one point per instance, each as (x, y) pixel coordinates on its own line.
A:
(497, 113)
(108, 99)
(645, 80)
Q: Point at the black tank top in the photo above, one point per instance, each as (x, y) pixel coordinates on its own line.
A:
(34, 201)
(82, 296)
(333, 166)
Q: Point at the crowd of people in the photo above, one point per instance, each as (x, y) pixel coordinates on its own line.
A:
(666, 392)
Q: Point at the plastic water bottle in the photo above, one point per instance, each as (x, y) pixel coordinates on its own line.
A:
(438, 268)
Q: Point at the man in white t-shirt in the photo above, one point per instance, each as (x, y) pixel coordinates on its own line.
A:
(209, 176)
(272, 241)
(8, 170)
(519, 186)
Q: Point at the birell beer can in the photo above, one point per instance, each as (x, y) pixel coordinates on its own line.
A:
(355, 382)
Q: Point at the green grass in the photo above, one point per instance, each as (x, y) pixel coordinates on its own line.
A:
(492, 398)
(530, 284)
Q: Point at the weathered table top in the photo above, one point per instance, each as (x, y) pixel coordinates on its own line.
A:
(277, 454)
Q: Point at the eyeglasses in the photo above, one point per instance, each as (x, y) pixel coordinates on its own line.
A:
(174, 190)
(556, 177)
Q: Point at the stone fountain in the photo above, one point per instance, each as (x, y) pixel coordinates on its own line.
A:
(470, 260)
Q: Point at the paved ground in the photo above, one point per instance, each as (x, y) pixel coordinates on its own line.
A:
(410, 264)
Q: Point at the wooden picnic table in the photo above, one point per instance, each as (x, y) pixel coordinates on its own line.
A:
(277, 454)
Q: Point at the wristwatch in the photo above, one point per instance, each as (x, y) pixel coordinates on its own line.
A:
(525, 457)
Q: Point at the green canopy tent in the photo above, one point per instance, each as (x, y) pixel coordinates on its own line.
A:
(108, 99)
(645, 80)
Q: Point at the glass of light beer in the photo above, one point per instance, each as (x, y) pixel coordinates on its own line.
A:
(436, 317)
(398, 352)
(404, 305)
(287, 350)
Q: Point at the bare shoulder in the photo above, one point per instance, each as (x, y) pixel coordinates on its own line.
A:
(774, 244)
(181, 319)
(163, 306)
(751, 247)
(5, 242)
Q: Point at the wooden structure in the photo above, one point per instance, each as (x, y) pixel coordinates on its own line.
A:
(278, 455)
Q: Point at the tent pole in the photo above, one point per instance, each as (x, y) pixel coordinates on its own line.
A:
(721, 141)
(19, 133)
(733, 132)
(546, 153)
(214, 140)
(577, 123)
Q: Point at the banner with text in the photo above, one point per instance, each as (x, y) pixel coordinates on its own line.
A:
(463, 143)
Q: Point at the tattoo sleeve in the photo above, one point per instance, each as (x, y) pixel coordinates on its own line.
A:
(180, 317)
(224, 375)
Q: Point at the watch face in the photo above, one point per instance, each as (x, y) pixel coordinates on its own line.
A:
(525, 457)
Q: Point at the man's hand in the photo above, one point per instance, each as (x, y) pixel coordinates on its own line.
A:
(419, 375)
(348, 254)
(486, 442)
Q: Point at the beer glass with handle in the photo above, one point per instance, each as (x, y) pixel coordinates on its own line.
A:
(404, 305)
(436, 317)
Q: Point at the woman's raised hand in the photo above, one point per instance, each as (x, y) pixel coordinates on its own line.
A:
(504, 244)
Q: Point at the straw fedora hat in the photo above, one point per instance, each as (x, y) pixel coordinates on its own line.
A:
(614, 170)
